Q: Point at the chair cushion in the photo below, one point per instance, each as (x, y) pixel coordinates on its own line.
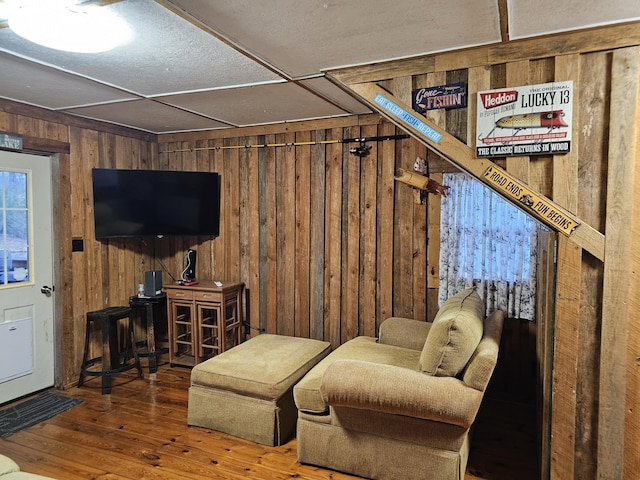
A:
(404, 332)
(454, 335)
(306, 392)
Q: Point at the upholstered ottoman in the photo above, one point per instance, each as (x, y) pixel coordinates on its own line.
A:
(247, 391)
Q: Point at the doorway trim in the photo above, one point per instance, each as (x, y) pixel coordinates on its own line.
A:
(35, 146)
(58, 327)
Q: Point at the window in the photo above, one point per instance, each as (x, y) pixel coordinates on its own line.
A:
(489, 244)
(14, 228)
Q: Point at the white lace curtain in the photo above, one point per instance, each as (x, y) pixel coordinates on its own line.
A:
(489, 244)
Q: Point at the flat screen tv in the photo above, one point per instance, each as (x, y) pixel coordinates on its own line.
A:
(132, 203)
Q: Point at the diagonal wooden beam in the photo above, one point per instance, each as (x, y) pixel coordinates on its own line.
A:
(447, 146)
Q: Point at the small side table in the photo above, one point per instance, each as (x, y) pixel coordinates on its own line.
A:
(149, 304)
(205, 319)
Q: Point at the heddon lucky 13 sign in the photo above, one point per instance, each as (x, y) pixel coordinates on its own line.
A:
(529, 120)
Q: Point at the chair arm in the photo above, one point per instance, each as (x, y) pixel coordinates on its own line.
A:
(7, 465)
(399, 391)
(404, 332)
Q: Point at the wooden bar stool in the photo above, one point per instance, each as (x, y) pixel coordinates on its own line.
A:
(149, 305)
(112, 359)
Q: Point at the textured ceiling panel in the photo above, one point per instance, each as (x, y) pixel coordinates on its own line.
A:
(303, 38)
(148, 115)
(335, 94)
(259, 104)
(530, 19)
(166, 54)
(47, 87)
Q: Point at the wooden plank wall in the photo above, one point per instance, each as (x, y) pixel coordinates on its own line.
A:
(619, 367)
(326, 242)
(104, 273)
(331, 245)
(328, 245)
(593, 384)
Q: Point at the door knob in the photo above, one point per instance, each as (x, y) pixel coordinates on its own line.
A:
(47, 290)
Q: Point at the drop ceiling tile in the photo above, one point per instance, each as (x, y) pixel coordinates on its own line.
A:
(43, 86)
(260, 104)
(303, 38)
(148, 115)
(167, 54)
(336, 94)
(530, 19)
(171, 57)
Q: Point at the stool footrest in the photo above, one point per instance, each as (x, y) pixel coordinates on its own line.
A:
(99, 373)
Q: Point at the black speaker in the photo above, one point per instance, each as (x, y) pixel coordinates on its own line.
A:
(152, 283)
(189, 274)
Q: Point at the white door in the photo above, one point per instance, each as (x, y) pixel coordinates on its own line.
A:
(26, 275)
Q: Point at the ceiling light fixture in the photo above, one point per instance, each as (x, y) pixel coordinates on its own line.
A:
(64, 25)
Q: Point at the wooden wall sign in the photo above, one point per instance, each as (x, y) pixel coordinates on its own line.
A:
(529, 120)
(10, 142)
(400, 113)
(449, 96)
(540, 207)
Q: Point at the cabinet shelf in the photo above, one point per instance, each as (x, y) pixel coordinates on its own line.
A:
(204, 320)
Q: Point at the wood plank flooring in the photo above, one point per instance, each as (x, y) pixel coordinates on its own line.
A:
(139, 431)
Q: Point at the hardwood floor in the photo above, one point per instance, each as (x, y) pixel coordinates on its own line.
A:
(139, 431)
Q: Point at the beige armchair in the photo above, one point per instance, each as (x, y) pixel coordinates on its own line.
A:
(401, 406)
(9, 470)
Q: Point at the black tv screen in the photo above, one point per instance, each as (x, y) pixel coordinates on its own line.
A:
(131, 203)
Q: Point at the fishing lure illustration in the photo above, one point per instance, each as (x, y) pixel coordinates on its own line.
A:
(552, 119)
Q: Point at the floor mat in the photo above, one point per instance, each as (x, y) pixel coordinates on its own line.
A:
(36, 410)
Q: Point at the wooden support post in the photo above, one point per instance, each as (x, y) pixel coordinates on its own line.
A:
(565, 360)
(545, 302)
(565, 192)
(385, 207)
(437, 117)
(620, 284)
